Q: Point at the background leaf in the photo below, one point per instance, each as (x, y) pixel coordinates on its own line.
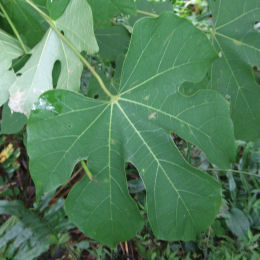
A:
(238, 43)
(28, 22)
(11, 123)
(112, 41)
(105, 10)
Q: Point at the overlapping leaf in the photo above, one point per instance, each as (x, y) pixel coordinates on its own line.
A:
(28, 22)
(10, 49)
(112, 41)
(36, 75)
(134, 126)
(238, 42)
(105, 10)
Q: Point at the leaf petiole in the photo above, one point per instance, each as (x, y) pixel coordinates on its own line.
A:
(147, 13)
(87, 171)
(13, 28)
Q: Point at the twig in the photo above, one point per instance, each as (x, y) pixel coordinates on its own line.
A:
(127, 251)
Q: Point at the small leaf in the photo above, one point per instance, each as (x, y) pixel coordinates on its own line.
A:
(238, 43)
(135, 126)
(10, 49)
(36, 75)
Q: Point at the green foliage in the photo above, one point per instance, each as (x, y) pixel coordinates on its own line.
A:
(134, 112)
(11, 123)
(56, 8)
(26, 235)
(28, 22)
(239, 47)
(105, 10)
(112, 41)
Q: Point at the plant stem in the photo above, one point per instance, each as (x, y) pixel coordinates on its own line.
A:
(13, 28)
(234, 171)
(87, 171)
(147, 13)
(87, 64)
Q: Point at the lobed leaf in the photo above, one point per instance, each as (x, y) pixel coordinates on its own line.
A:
(36, 75)
(135, 126)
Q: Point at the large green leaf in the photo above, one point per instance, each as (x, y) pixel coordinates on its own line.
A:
(36, 75)
(135, 126)
(105, 10)
(28, 22)
(10, 49)
(238, 42)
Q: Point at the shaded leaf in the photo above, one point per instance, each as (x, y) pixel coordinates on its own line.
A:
(11, 123)
(36, 75)
(135, 126)
(28, 22)
(25, 235)
(238, 223)
(238, 43)
(112, 41)
(105, 10)
(56, 7)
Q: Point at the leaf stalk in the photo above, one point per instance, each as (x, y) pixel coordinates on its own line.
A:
(147, 13)
(87, 171)
(14, 29)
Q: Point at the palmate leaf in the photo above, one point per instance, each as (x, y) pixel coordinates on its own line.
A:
(134, 126)
(238, 41)
(36, 75)
(10, 49)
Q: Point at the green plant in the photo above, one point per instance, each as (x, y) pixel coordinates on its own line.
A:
(132, 110)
